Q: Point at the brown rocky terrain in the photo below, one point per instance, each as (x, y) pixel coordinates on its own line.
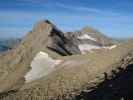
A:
(103, 74)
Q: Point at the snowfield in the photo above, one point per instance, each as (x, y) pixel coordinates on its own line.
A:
(86, 36)
(41, 66)
(111, 47)
(88, 48)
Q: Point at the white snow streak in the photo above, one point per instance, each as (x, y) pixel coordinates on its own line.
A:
(86, 36)
(88, 47)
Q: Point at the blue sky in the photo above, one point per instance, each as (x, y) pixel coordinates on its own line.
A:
(112, 17)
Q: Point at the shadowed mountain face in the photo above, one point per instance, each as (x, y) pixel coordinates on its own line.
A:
(78, 42)
(97, 64)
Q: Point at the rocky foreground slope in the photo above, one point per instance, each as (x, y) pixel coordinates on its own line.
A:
(103, 72)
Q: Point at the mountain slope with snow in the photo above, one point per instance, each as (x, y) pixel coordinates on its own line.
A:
(43, 57)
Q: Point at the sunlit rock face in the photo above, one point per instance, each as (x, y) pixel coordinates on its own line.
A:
(41, 66)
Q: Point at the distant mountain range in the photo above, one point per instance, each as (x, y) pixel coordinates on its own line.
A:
(7, 44)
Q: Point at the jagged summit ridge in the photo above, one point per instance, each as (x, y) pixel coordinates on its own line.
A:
(43, 25)
(44, 37)
(68, 77)
(67, 43)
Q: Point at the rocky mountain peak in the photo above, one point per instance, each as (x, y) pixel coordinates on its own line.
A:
(46, 35)
(99, 36)
(90, 30)
(38, 58)
(43, 25)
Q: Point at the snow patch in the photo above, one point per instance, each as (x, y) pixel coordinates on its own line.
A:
(41, 66)
(110, 47)
(87, 47)
(113, 46)
(86, 36)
